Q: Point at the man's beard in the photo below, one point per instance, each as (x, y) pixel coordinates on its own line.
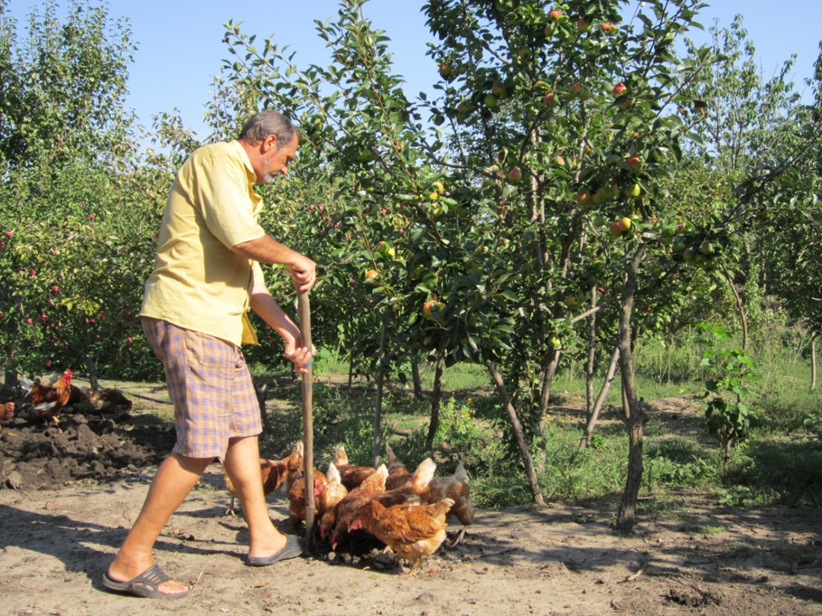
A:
(267, 175)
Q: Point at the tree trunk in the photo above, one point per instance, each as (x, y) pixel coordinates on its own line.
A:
(380, 386)
(415, 369)
(813, 362)
(740, 307)
(436, 395)
(606, 387)
(548, 373)
(519, 434)
(92, 372)
(634, 416)
(592, 356)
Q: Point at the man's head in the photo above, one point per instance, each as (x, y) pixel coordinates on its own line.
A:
(271, 142)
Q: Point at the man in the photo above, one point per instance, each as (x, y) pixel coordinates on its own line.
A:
(206, 274)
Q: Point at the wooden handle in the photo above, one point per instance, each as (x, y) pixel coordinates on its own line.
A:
(304, 308)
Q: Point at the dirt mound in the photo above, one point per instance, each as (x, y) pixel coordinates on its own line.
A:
(82, 447)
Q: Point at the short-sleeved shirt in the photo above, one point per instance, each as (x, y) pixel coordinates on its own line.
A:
(198, 283)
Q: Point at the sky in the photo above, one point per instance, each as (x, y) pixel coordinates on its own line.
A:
(180, 46)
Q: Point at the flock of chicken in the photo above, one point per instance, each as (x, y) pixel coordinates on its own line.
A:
(353, 504)
(52, 394)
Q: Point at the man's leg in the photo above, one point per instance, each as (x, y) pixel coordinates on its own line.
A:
(175, 478)
(242, 463)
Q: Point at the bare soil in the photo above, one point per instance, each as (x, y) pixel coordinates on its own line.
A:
(69, 496)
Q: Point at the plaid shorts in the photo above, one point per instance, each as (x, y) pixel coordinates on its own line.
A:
(210, 386)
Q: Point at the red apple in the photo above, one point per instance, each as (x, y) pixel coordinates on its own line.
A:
(8, 233)
(551, 99)
(129, 340)
(608, 27)
(634, 162)
(47, 363)
(619, 89)
(91, 216)
(33, 272)
(514, 175)
(43, 318)
(29, 321)
(55, 288)
(582, 25)
(554, 14)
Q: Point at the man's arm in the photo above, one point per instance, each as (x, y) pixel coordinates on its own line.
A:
(269, 310)
(268, 250)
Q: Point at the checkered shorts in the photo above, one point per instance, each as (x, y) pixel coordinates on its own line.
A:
(210, 386)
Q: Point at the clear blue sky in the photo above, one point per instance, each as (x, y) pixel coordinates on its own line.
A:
(181, 49)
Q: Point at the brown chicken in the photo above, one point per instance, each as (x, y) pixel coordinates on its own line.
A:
(412, 531)
(274, 473)
(332, 494)
(456, 488)
(351, 505)
(397, 473)
(6, 413)
(350, 474)
(415, 488)
(47, 400)
(296, 498)
(107, 400)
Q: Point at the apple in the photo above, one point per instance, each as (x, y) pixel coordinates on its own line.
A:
(555, 342)
(599, 220)
(624, 223)
(551, 99)
(55, 288)
(433, 196)
(47, 363)
(599, 196)
(386, 249)
(371, 274)
(431, 308)
(91, 216)
(559, 160)
(445, 70)
(571, 301)
(646, 309)
(615, 229)
(689, 254)
(33, 272)
(499, 90)
(634, 162)
(8, 233)
(43, 318)
(633, 191)
(582, 25)
(619, 89)
(29, 321)
(608, 27)
(705, 248)
(129, 340)
(514, 175)
(438, 186)
(554, 14)
(311, 207)
(462, 107)
(491, 100)
(583, 197)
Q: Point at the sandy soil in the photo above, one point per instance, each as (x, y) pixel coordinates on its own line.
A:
(60, 528)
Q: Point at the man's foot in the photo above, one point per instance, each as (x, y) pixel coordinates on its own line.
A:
(148, 584)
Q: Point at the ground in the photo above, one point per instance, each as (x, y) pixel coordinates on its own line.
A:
(69, 496)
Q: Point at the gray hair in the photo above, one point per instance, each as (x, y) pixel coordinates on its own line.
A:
(265, 123)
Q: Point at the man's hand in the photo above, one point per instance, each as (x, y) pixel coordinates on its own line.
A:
(303, 274)
(298, 354)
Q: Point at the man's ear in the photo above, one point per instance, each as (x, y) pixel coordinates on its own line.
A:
(269, 142)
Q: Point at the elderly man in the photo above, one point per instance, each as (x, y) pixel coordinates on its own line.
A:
(206, 275)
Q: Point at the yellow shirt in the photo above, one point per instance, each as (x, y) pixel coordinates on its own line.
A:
(198, 283)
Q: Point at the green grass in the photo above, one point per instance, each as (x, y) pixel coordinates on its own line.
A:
(781, 462)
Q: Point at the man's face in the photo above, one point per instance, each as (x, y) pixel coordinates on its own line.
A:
(275, 161)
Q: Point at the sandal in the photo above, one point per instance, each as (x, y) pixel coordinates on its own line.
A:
(147, 584)
(292, 548)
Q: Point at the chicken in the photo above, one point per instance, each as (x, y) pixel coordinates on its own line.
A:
(351, 505)
(332, 494)
(415, 487)
(411, 531)
(350, 474)
(457, 489)
(47, 400)
(274, 473)
(107, 400)
(397, 473)
(6, 413)
(296, 498)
